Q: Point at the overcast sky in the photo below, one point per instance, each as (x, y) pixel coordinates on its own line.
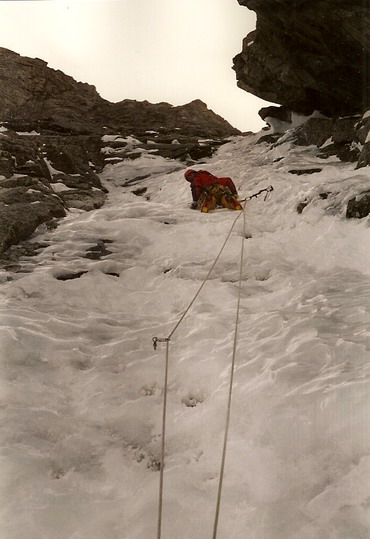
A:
(158, 50)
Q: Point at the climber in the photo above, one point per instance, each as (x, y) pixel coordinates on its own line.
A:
(208, 191)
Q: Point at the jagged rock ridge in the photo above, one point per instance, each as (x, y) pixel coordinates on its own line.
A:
(41, 97)
(30, 91)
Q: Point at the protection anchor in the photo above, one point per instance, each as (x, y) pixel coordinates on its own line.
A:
(156, 340)
(267, 190)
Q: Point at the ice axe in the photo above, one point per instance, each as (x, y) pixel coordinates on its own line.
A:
(267, 190)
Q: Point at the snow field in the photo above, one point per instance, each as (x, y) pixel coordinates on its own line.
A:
(82, 384)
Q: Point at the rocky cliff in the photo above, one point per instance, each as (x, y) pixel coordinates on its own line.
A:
(33, 95)
(313, 58)
(308, 55)
(53, 133)
(32, 92)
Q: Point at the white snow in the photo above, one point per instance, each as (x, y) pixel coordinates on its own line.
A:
(109, 138)
(82, 385)
(147, 164)
(327, 142)
(28, 133)
(279, 126)
(107, 150)
(52, 170)
(117, 138)
(59, 186)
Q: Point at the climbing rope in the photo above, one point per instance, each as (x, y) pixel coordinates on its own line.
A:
(157, 340)
(167, 340)
(231, 381)
(161, 469)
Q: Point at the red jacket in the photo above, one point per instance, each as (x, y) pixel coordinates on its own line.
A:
(204, 179)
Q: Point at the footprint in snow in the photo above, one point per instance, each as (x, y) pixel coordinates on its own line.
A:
(192, 400)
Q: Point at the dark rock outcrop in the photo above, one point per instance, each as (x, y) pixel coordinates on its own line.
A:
(359, 206)
(26, 203)
(191, 121)
(280, 113)
(308, 55)
(31, 92)
(363, 130)
(41, 177)
(59, 167)
(301, 171)
(343, 137)
(318, 130)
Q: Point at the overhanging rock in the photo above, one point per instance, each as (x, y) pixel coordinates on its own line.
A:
(308, 55)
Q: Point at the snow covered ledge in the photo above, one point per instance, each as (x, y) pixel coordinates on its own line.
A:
(281, 119)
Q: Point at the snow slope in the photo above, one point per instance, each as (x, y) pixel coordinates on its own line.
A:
(82, 385)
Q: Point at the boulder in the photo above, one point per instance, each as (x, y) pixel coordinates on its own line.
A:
(280, 113)
(83, 199)
(25, 203)
(315, 131)
(363, 130)
(364, 157)
(77, 181)
(359, 206)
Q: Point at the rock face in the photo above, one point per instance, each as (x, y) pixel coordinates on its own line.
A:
(192, 120)
(38, 97)
(340, 137)
(308, 55)
(41, 177)
(359, 207)
(26, 203)
(312, 57)
(52, 143)
(31, 92)
(347, 138)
